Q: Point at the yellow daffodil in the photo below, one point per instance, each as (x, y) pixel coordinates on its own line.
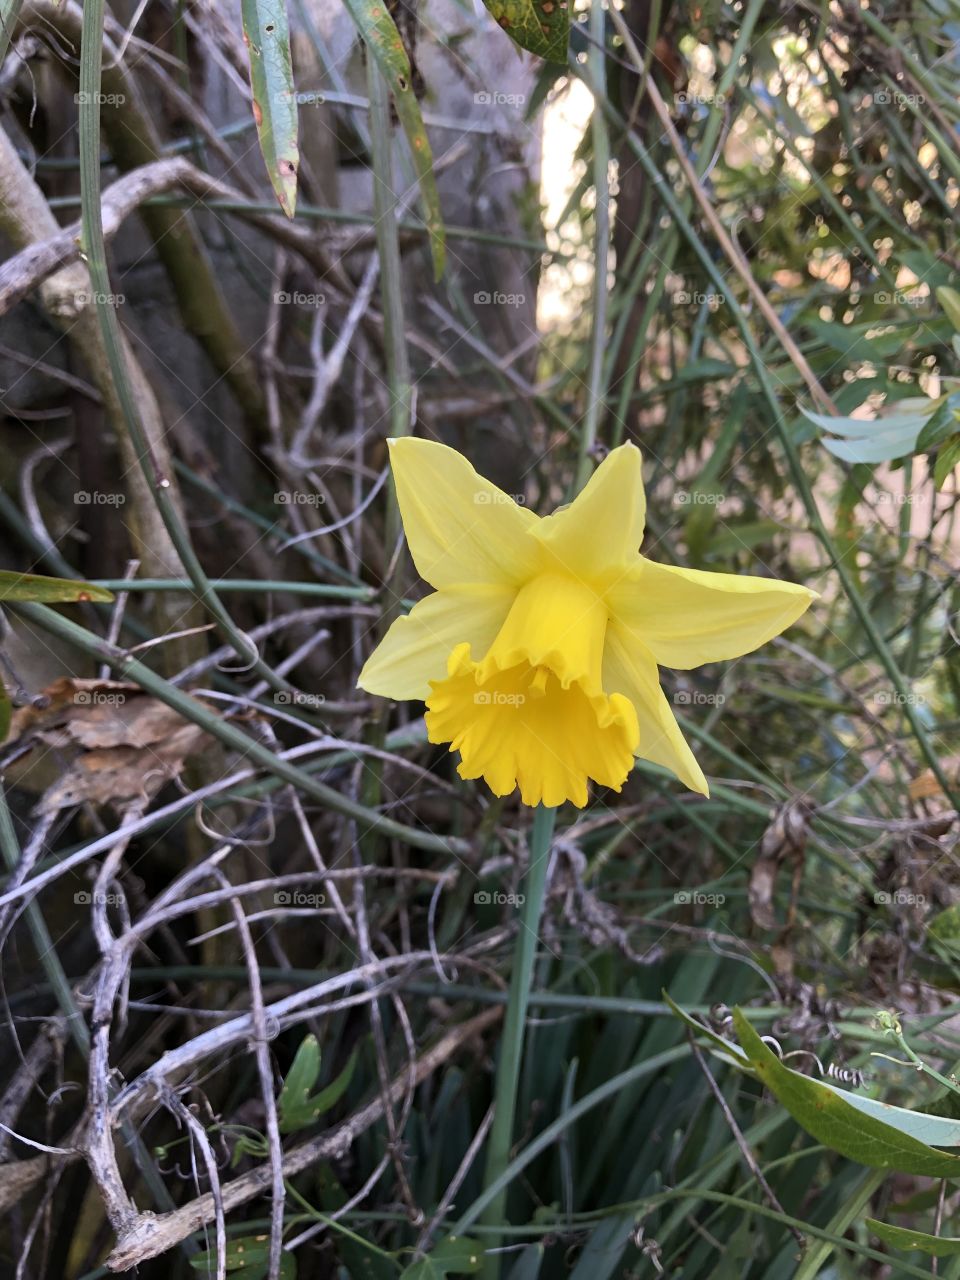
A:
(537, 652)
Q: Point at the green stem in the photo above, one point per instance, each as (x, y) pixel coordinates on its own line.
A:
(596, 385)
(511, 1048)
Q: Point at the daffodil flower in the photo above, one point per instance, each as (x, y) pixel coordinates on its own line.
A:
(537, 653)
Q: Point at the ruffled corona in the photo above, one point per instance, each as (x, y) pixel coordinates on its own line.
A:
(521, 725)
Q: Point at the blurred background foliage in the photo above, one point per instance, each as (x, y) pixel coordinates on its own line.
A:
(194, 413)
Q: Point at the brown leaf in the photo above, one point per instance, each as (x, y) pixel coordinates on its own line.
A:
(97, 741)
(784, 839)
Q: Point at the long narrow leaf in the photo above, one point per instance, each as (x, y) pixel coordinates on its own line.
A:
(267, 37)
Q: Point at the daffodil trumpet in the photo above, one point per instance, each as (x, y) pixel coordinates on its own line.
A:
(537, 653)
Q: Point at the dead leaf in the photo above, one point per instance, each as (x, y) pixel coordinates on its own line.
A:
(785, 839)
(97, 741)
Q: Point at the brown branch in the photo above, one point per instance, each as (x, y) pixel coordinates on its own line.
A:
(27, 269)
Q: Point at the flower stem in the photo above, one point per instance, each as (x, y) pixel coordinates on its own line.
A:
(511, 1048)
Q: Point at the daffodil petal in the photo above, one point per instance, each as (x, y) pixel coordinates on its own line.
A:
(631, 671)
(460, 528)
(601, 530)
(415, 649)
(687, 617)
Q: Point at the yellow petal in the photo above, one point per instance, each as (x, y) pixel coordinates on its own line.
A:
(416, 648)
(631, 671)
(599, 533)
(460, 528)
(687, 617)
(520, 727)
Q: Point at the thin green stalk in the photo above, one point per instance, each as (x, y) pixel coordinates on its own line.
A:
(94, 252)
(596, 385)
(248, 748)
(43, 943)
(511, 1046)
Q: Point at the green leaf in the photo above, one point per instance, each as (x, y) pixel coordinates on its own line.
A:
(942, 423)
(267, 37)
(828, 1116)
(454, 1255)
(40, 590)
(947, 459)
(913, 1241)
(383, 40)
(248, 1255)
(300, 1079)
(541, 26)
(949, 300)
(296, 1106)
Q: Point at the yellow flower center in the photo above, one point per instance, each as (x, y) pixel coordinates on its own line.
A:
(532, 712)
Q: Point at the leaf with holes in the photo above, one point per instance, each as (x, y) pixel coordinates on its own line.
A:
(454, 1255)
(913, 1241)
(829, 1117)
(267, 37)
(383, 40)
(34, 587)
(542, 26)
(248, 1257)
